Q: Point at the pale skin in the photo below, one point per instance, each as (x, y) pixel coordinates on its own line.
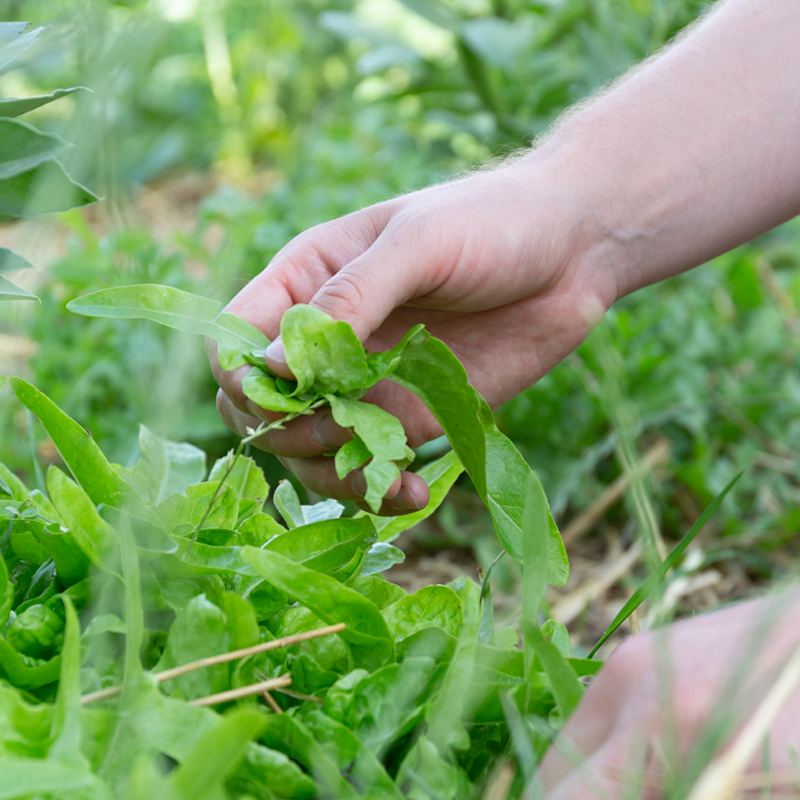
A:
(693, 154)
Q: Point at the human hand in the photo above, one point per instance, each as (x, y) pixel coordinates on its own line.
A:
(629, 717)
(496, 265)
(512, 267)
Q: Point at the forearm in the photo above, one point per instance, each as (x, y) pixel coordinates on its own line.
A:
(694, 153)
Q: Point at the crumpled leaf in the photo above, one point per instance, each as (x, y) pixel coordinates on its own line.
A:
(440, 475)
(36, 632)
(381, 556)
(437, 606)
(246, 478)
(263, 391)
(26, 777)
(204, 503)
(324, 356)
(378, 590)
(383, 440)
(166, 467)
(290, 736)
(325, 546)
(24, 727)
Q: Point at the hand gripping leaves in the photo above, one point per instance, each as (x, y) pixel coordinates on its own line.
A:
(332, 368)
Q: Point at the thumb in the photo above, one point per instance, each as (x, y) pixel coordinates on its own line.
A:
(364, 292)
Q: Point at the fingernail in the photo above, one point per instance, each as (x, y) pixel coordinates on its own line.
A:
(329, 435)
(275, 351)
(406, 500)
(359, 484)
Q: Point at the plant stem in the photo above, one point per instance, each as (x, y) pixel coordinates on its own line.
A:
(252, 434)
(232, 456)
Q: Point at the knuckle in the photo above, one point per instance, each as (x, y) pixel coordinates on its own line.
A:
(220, 400)
(228, 412)
(423, 431)
(289, 444)
(343, 296)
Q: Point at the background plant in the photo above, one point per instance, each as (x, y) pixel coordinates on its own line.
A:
(32, 180)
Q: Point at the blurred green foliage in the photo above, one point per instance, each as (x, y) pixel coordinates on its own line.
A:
(303, 110)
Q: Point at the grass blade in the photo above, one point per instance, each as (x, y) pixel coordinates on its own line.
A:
(567, 689)
(535, 557)
(216, 755)
(638, 597)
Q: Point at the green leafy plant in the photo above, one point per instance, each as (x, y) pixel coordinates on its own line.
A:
(403, 696)
(143, 608)
(332, 368)
(32, 181)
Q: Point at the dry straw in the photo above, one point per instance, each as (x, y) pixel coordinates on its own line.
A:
(242, 691)
(222, 658)
(722, 778)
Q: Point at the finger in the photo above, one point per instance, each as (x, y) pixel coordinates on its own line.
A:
(588, 728)
(275, 359)
(303, 437)
(407, 494)
(295, 274)
(304, 265)
(236, 420)
(316, 435)
(413, 495)
(363, 293)
(418, 423)
(366, 290)
(229, 381)
(623, 767)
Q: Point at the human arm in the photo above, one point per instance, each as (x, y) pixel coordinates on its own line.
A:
(696, 152)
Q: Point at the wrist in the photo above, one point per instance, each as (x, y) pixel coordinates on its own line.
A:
(593, 255)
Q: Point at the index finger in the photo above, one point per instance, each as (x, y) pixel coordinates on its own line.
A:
(294, 276)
